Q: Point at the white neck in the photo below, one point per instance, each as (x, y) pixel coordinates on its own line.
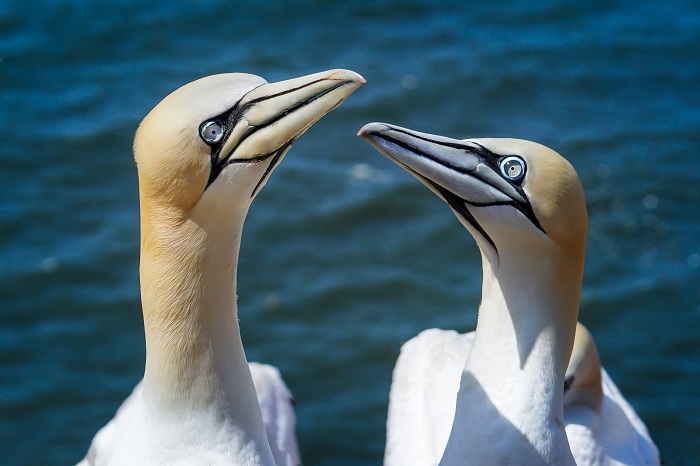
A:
(197, 378)
(511, 392)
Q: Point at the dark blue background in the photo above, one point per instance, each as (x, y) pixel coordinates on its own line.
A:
(344, 255)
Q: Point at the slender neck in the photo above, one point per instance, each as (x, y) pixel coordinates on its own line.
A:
(516, 367)
(527, 318)
(186, 287)
(195, 363)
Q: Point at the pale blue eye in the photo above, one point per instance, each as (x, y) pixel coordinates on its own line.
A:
(212, 132)
(513, 168)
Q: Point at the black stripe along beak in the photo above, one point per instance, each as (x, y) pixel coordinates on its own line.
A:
(268, 119)
(465, 174)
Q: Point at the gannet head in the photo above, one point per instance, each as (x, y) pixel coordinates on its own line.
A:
(510, 194)
(226, 133)
(202, 154)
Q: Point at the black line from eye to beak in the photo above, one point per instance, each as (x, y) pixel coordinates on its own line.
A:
(453, 145)
(459, 204)
(484, 156)
(273, 163)
(528, 213)
(239, 110)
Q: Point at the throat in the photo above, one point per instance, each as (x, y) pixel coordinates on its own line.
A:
(513, 380)
(527, 321)
(197, 394)
(195, 360)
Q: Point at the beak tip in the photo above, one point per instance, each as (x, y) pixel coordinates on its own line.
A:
(371, 129)
(346, 75)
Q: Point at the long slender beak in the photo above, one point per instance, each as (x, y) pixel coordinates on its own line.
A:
(462, 172)
(462, 167)
(272, 116)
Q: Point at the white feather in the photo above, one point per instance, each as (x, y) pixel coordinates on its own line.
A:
(615, 436)
(424, 395)
(276, 405)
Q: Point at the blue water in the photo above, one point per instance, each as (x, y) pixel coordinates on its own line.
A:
(344, 255)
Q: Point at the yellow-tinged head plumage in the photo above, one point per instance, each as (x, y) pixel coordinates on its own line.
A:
(173, 161)
(232, 127)
(202, 154)
(553, 189)
(509, 193)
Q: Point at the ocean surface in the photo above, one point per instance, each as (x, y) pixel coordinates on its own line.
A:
(344, 255)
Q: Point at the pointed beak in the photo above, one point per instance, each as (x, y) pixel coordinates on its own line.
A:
(273, 115)
(462, 167)
(462, 172)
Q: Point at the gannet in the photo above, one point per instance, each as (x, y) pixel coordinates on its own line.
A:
(511, 392)
(202, 155)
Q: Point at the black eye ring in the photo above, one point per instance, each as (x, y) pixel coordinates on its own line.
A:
(512, 168)
(212, 131)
